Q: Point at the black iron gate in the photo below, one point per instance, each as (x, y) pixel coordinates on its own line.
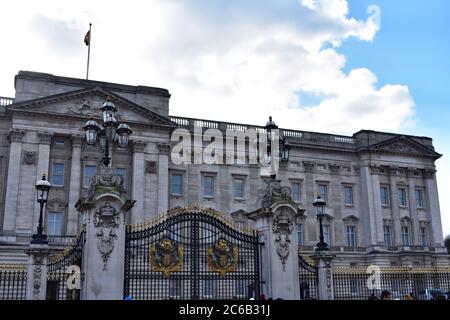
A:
(191, 254)
(308, 279)
(61, 267)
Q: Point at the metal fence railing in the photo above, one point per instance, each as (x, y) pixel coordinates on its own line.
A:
(13, 282)
(422, 283)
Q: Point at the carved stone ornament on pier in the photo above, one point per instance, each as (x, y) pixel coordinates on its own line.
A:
(282, 228)
(106, 220)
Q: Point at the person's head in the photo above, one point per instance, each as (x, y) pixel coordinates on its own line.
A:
(408, 297)
(373, 297)
(385, 295)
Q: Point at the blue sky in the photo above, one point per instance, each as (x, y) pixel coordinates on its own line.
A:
(412, 47)
(317, 65)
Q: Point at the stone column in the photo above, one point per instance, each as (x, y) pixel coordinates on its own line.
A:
(12, 184)
(74, 188)
(43, 160)
(323, 263)
(370, 205)
(413, 208)
(395, 206)
(436, 237)
(163, 177)
(279, 253)
(37, 272)
(138, 185)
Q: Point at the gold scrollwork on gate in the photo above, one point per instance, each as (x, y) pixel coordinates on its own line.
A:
(222, 257)
(166, 256)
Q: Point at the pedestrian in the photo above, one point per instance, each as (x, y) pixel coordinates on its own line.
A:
(386, 295)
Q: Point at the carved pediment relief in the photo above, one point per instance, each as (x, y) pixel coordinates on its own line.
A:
(351, 219)
(86, 103)
(405, 145)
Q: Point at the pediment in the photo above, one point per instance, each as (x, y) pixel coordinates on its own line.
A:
(86, 103)
(405, 145)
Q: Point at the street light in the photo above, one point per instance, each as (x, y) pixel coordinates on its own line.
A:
(319, 204)
(42, 189)
(270, 127)
(108, 133)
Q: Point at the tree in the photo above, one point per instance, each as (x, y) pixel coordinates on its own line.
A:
(447, 243)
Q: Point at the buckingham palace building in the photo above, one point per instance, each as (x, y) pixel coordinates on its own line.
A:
(380, 189)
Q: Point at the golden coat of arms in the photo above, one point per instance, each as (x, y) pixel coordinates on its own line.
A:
(222, 257)
(166, 256)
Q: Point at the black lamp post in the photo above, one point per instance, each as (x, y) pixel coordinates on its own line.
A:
(108, 133)
(319, 204)
(285, 149)
(270, 127)
(42, 189)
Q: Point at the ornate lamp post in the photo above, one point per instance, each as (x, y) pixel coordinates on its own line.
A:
(108, 133)
(285, 147)
(42, 189)
(319, 204)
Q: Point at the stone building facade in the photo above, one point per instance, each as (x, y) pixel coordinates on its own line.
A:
(380, 188)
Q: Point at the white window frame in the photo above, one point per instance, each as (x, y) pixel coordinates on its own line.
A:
(172, 191)
(351, 236)
(325, 194)
(85, 185)
(327, 234)
(204, 177)
(406, 236)
(389, 234)
(50, 231)
(296, 183)
(299, 231)
(235, 189)
(62, 175)
(401, 195)
(352, 200)
(420, 203)
(387, 196)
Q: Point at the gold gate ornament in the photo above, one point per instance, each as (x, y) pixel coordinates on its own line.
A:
(222, 257)
(166, 256)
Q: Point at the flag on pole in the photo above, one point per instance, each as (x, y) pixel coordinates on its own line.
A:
(87, 38)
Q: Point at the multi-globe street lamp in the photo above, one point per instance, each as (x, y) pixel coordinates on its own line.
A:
(108, 132)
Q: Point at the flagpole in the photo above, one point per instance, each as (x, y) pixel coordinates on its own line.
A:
(89, 51)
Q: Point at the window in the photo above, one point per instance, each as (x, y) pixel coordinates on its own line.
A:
(299, 228)
(240, 288)
(419, 198)
(387, 235)
(208, 288)
(175, 288)
(58, 174)
(326, 234)
(423, 236)
(323, 190)
(402, 197)
(405, 236)
(123, 173)
(296, 192)
(177, 184)
(59, 142)
(351, 236)
(239, 188)
(208, 186)
(348, 194)
(384, 196)
(89, 172)
(54, 225)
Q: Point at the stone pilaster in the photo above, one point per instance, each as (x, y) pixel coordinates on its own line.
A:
(12, 185)
(74, 188)
(163, 177)
(395, 206)
(436, 237)
(413, 208)
(37, 272)
(138, 186)
(43, 160)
